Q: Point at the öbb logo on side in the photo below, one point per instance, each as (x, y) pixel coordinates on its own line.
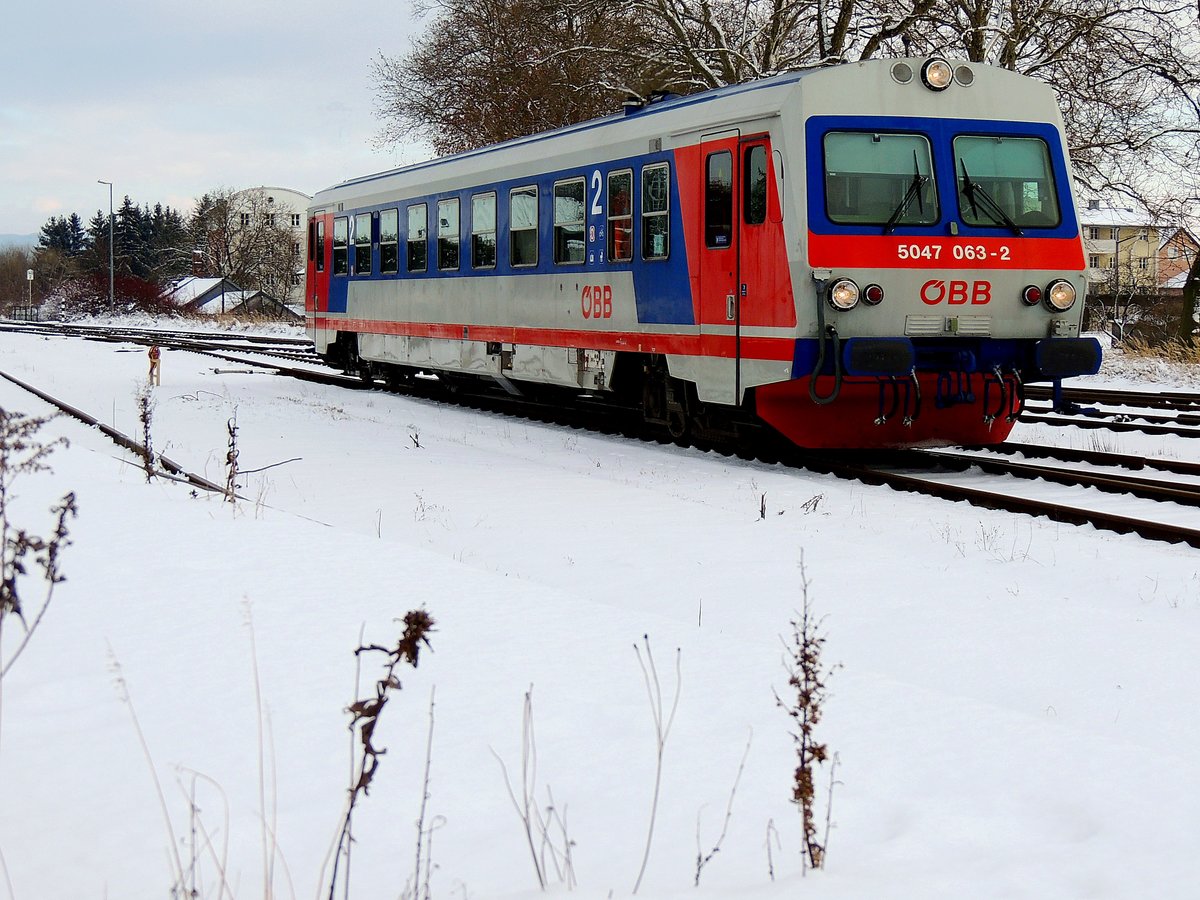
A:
(596, 301)
(956, 293)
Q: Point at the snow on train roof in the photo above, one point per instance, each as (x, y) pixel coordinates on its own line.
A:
(667, 104)
(672, 103)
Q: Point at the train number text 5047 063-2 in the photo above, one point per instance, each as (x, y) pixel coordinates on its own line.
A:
(935, 252)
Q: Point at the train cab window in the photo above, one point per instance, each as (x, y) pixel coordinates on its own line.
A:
(362, 244)
(418, 224)
(620, 216)
(389, 237)
(569, 221)
(754, 189)
(656, 213)
(483, 231)
(718, 200)
(341, 245)
(523, 226)
(879, 179)
(1005, 182)
(448, 234)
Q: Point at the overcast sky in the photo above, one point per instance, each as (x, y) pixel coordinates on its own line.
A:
(170, 99)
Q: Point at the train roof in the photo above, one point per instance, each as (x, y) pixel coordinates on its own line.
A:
(669, 103)
(751, 100)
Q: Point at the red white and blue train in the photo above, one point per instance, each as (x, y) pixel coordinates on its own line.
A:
(876, 254)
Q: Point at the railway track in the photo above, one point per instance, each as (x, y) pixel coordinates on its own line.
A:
(980, 477)
(293, 349)
(1173, 413)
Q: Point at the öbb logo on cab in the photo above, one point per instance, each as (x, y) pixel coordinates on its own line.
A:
(956, 293)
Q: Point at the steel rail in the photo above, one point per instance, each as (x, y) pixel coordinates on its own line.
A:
(1090, 423)
(1113, 483)
(118, 437)
(1148, 399)
(1056, 512)
(1093, 457)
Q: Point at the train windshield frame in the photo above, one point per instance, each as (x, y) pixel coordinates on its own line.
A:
(1005, 180)
(879, 178)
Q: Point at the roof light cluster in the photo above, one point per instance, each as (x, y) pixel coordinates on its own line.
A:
(937, 74)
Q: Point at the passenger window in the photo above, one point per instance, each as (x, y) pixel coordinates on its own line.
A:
(341, 245)
(418, 222)
(568, 221)
(448, 234)
(483, 231)
(523, 226)
(754, 189)
(362, 244)
(718, 200)
(320, 245)
(620, 216)
(879, 179)
(656, 214)
(389, 236)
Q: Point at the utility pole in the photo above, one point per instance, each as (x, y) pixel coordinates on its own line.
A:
(111, 304)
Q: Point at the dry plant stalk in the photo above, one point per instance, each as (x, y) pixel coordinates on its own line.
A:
(1174, 349)
(662, 730)
(145, 401)
(231, 460)
(421, 888)
(536, 825)
(21, 453)
(703, 859)
(364, 717)
(807, 677)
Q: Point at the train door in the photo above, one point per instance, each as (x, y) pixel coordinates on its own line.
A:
(735, 248)
(719, 246)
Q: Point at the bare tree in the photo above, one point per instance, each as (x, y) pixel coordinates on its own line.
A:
(1128, 75)
(246, 237)
(490, 70)
(14, 263)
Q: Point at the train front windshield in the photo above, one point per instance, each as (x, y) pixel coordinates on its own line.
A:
(887, 179)
(1004, 181)
(877, 179)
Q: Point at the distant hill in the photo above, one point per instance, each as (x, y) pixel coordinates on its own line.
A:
(28, 241)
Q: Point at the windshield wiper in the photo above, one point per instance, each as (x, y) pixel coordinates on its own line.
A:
(996, 211)
(914, 190)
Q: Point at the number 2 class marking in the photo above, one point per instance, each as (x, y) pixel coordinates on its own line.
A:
(598, 187)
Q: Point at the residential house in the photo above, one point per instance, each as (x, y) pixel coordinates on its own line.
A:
(1133, 266)
(220, 296)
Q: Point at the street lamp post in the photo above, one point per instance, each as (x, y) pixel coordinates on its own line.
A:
(111, 304)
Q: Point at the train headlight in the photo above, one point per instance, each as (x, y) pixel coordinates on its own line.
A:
(1060, 296)
(937, 74)
(843, 294)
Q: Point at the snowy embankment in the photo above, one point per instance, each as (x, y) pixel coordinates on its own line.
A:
(1015, 712)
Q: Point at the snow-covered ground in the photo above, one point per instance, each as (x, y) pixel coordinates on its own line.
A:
(1015, 713)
